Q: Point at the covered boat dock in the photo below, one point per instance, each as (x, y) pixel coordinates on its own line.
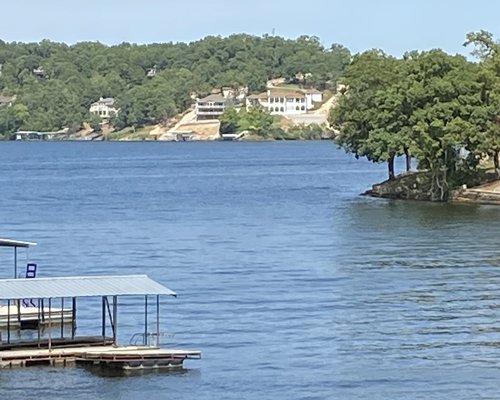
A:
(54, 348)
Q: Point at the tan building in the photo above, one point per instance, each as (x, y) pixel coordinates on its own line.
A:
(210, 107)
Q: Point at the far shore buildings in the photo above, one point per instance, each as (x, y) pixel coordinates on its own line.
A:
(210, 107)
(104, 108)
(278, 101)
(286, 102)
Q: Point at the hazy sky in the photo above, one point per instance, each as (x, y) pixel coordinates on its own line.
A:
(394, 26)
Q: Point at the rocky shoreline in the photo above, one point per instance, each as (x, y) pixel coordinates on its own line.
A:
(417, 186)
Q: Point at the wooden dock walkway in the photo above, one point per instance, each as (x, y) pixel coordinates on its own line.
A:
(126, 357)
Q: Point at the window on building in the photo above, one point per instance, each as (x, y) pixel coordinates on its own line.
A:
(303, 108)
(282, 109)
(297, 108)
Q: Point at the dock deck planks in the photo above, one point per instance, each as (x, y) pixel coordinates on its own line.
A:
(121, 357)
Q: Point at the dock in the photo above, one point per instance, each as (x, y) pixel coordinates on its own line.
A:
(126, 357)
(54, 346)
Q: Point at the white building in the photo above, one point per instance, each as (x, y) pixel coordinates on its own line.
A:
(104, 107)
(284, 102)
(315, 95)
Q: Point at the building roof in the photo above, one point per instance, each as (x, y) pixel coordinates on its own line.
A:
(83, 286)
(286, 94)
(109, 101)
(258, 96)
(213, 98)
(15, 243)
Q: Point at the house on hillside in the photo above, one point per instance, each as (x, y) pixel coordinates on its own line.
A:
(104, 107)
(210, 107)
(39, 72)
(285, 102)
(151, 72)
(315, 95)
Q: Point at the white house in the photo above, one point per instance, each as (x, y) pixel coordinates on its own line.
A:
(104, 107)
(285, 102)
(315, 95)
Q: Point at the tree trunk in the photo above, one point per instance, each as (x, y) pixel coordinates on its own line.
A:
(390, 166)
(408, 159)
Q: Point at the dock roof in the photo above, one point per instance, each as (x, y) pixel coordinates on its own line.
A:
(15, 243)
(81, 286)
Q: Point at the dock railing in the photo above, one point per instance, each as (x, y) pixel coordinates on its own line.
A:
(149, 339)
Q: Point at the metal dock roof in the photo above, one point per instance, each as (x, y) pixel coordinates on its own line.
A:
(81, 286)
(15, 243)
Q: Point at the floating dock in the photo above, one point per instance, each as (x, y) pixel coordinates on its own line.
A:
(126, 357)
(57, 348)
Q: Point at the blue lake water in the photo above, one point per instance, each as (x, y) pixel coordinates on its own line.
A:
(291, 284)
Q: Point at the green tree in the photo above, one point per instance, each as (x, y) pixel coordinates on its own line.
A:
(370, 117)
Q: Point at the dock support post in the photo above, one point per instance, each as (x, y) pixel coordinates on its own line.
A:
(8, 321)
(145, 340)
(73, 317)
(157, 320)
(103, 318)
(115, 319)
(18, 303)
(38, 335)
(62, 317)
(50, 324)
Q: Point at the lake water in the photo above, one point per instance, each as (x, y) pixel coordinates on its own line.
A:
(291, 284)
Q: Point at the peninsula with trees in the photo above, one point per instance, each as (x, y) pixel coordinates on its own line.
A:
(441, 111)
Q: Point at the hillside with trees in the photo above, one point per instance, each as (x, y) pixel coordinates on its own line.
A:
(439, 109)
(54, 83)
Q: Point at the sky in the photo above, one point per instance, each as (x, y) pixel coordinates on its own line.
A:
(394, 26)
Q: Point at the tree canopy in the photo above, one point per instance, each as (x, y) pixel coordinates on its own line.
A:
(440, 109)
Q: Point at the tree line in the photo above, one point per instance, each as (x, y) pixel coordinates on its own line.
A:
(440, 109)
(55, 83)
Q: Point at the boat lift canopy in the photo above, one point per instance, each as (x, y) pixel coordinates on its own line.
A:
(81, 286)
(40, 289)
